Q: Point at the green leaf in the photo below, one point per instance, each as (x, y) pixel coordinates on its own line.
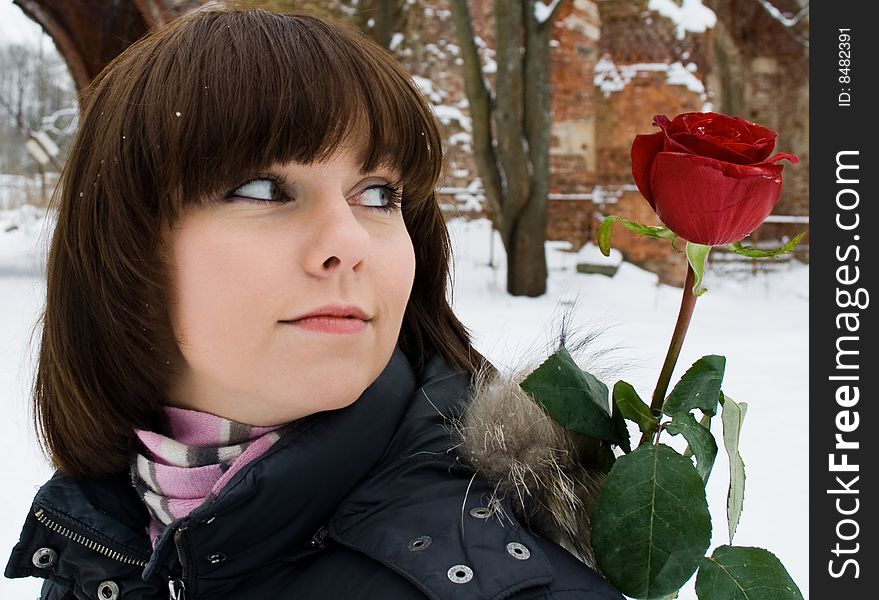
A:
(698, 388)
(732, 417)
(620, 422)
(753, 252)
(651, 526)
(696, 256)
(744, 573)
(574, 398)
(633, 408)
(653, 231)
(700, 440)
(604, 232)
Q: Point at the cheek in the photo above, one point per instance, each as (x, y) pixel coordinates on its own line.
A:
(200, 278)
(400, 271)
(221, 283)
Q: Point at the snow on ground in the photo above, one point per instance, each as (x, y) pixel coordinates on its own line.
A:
(760, 324)
(22, 238)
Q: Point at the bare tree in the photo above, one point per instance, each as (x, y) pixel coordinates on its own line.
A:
(511, 130)
(36, 95)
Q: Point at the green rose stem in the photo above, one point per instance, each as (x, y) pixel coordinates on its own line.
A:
(688, 303)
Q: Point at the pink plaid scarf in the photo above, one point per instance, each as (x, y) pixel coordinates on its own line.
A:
(178, 472)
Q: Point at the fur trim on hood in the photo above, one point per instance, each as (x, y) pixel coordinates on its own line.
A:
(550, 474)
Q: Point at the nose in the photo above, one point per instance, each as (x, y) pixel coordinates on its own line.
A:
(339, 239)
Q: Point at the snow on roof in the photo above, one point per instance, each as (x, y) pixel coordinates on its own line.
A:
(689, 15)
(611, 77)
(542, 11)
(678, 74)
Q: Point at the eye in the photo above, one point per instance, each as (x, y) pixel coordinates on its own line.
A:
(261, 189)
(383, 197)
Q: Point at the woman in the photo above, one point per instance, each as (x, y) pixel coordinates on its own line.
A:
(248, 360)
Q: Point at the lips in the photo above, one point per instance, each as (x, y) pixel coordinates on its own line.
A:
(349, 311)
(333, 318)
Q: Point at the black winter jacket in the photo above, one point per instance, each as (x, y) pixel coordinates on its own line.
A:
(365, 502)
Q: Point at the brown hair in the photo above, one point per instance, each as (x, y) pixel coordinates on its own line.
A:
(182, 115)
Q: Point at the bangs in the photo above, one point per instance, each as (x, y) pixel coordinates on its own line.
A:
(228, 94)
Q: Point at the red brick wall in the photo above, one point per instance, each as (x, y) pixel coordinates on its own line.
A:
(592, 132)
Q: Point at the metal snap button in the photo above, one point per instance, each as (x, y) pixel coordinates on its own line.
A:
(519, 551)
(108, 590)
(419, 543)
(44, 558)
(480, 512)
(216, 558)
(460, 574)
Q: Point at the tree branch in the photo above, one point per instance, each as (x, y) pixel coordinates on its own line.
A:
(479, 98)
(788, 23)
(778, 16)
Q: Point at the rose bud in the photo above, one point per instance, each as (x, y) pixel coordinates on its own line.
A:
(709, 176)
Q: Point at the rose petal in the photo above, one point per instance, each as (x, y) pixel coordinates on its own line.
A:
(661, 121)
(714, 135)
(717, 124)
(720, 149)
(669, 143)
(712, 202)
(644, 149)
(781, 155)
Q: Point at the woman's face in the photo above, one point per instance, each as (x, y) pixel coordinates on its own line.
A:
(246, 267)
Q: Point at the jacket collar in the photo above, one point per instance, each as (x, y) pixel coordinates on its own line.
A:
(375, 476)
(423, 512)
(281, 500)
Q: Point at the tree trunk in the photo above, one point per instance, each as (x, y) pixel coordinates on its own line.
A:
(519, 238)
(385, 15)
(514, 163)
(526, 253)
(385, 19)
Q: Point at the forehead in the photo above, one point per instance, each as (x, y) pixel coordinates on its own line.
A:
(315, 95)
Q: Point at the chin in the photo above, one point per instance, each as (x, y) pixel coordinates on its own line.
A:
(322, 397)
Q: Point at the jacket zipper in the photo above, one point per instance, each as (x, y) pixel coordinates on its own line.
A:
(317, 540)
(43, 518)
(176, 590)
(177, 587)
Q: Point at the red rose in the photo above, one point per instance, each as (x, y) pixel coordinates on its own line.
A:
(707, 175)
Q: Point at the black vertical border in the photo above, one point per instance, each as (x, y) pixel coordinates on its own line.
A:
(835, 128)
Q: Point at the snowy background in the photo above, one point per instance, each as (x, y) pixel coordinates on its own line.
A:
(759, 323)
